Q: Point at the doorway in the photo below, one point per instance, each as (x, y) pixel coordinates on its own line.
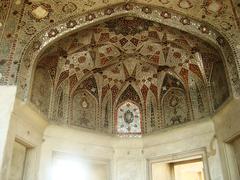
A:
(190, 168)
(18, 161)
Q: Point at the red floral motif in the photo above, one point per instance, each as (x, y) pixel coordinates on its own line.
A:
(73, 80)
(105, 90)
(155, 59)
(184, 74)
(62, 77)
(103, 37)
(144, 91)
(115, 91)
(154, 90)
(104, 60)
(129, 94)
(123, 41)
(134, 41)
(195, 69)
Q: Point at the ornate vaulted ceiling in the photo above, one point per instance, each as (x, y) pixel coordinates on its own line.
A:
(22, 20)
(129, 76)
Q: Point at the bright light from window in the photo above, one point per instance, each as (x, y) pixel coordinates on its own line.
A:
(68, 169)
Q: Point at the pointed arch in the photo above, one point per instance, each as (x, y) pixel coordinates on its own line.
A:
(59, 107)
(89, 83)
(83, 110)
(219, 86)
(129, 104)
(199, 97)
(175, 107)
(128, 119)
(42, 90)
(171, 80)
(106, 120)
(84, 104)
(130, 93)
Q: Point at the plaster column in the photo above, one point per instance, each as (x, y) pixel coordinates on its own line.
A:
(7, 98)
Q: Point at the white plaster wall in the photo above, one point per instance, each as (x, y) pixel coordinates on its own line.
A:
(227, 125)
(74, 142)
(7, 96)
(26, 126)
(17, 162)
(236, 148)
(227, 121)
(128, 158)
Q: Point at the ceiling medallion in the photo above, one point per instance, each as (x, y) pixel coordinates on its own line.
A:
(71, 24)
(185, 21)
(166, 14)
(90, 17)
(147, 10)
(108, 11)
(52, 33)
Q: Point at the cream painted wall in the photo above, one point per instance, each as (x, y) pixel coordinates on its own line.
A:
(128, 158)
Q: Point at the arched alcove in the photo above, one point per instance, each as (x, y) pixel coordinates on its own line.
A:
(83, 110)
(159, 61)
(165, 16)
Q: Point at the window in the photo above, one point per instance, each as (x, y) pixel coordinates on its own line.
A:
(128, 119)
(68, 167)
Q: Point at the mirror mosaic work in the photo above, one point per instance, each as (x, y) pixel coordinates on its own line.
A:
(129, 76)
